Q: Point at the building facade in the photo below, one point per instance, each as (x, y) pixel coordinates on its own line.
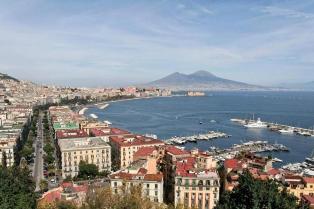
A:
(91, 150)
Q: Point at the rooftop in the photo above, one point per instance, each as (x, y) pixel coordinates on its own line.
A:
(108, 131)
(82, 143)
(134, 140)
(187, 167)
(65, 134)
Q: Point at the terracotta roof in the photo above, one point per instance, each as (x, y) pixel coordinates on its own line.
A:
(176, 151)
(232, 163)
(309, 199)
(153, 177)
(134, 140)
(66, 134)
(128, 176)
(108, 131)
(308, 180)
(52, 195)
(80, 188)
(144, 152)
(273, 171)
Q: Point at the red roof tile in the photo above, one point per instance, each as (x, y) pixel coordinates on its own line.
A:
(134, 140)
(144, 152)
(176, 151)
(66, 134)
(231, 163)
(108, 131)
(308, 180)
(309, 199)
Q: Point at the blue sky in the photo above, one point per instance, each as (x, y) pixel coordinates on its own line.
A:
(105, 43)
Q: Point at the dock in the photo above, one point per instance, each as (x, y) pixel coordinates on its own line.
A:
(280, 128)
(207, 136)
(250, 146)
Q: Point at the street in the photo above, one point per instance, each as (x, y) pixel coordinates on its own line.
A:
(38, 168)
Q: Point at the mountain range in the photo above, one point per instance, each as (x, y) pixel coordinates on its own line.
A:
(201, 81)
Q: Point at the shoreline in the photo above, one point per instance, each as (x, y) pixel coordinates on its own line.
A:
(84, 108)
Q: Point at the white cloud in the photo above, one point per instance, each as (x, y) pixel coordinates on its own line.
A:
(276, 11)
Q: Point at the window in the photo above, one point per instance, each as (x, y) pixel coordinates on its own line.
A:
(156, 186)
(147, 186)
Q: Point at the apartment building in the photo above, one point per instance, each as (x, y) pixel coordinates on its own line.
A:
(7, 152)
(194, 187)
(124, 147)
(92, 150)
(140, 173)
(299, 185)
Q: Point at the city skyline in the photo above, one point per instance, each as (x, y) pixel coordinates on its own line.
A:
(110, 44)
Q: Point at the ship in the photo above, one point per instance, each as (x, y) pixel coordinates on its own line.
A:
(256, 124)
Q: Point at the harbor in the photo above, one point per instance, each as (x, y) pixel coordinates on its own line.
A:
(305, 168)
(279, 128)
(207, 136)
(250, 146)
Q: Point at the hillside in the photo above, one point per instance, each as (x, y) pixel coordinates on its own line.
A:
(7, 77)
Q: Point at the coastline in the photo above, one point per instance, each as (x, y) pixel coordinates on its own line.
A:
(84, 108)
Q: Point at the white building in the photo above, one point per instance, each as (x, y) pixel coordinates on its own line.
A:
(92, 150)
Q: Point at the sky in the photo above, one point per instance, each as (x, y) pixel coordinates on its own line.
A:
(125, 42)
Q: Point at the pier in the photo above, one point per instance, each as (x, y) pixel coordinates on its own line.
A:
(280, 128)
(207, 136)
(251, 146)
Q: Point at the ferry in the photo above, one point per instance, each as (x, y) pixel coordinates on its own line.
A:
(257, 124)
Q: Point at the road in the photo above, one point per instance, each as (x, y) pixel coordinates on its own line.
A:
(39, 162)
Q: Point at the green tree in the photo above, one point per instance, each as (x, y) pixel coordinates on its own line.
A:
(255, 194)
(87, 170)
(16, 189)
(43, 185)
(4, 159)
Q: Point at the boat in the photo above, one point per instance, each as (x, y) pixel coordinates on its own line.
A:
(107, 122)
(94, 116)
(257, 124)
(286, 131)
(277, 160)
(103, 106)
(213, 121)
(304, 133)
(154, 136)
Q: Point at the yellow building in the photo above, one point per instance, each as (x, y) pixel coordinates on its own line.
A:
(298, 185)
(92, 150)
(124, 147)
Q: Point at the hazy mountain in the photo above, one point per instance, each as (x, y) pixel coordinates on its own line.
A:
(200, 80)
(7, 77)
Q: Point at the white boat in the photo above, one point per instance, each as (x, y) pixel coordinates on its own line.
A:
(154, 136)
(103, 106)
(107, 122)
(286, 131)
(277, 160)
(257, 124)
(93, 116)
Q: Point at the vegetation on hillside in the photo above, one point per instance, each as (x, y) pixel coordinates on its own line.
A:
(256, 194)
(16, 188)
